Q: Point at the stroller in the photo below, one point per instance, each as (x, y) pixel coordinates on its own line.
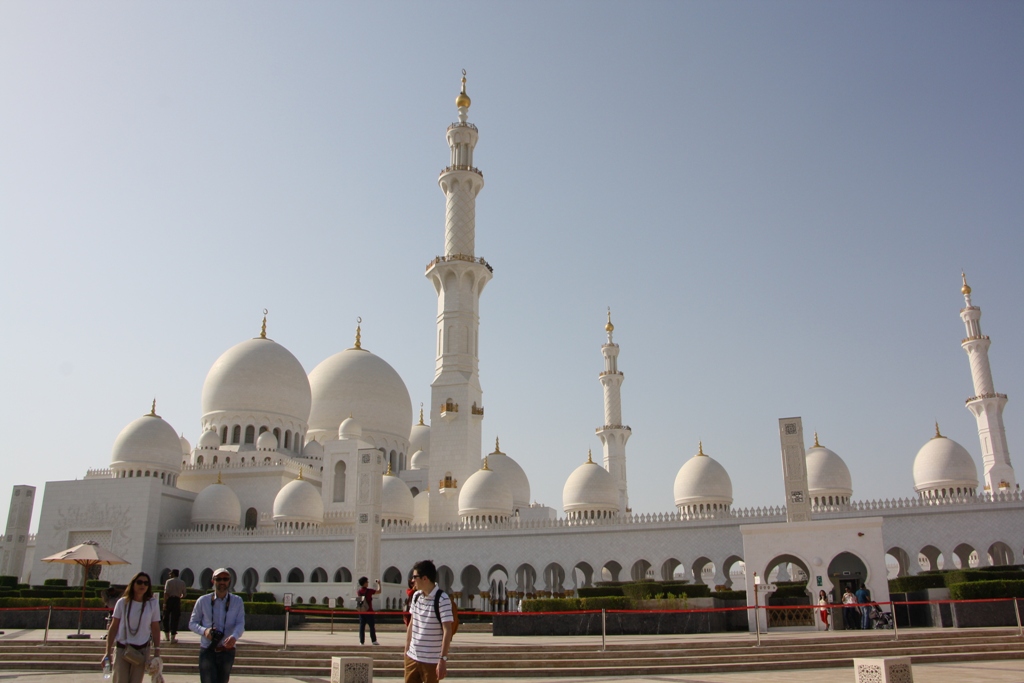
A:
(881, 619)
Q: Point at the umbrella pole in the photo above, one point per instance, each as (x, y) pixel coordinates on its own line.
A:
(81, 605)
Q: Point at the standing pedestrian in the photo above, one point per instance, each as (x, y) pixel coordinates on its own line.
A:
(136, 623)
(174, 591)
(429, 635)
(364, 605)
(219, 619)
(863, 598)
(849, 610)
(823, 602)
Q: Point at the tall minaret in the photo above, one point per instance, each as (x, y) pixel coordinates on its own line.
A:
(459, 277)
(986, 404)
(614, 434)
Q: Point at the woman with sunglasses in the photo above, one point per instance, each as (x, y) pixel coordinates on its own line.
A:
(135, 623)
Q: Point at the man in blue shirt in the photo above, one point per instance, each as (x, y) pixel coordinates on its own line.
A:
(219, 619)
(863, 597)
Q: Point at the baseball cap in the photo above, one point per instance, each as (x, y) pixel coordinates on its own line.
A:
(218, 572)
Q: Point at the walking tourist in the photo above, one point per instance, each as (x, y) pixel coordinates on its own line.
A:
(364, 605)
(219, 619)
(429, 635)
(864, 597)
(174, 591)
(136, 623)
(823, 601)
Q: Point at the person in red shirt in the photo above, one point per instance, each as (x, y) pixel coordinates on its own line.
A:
(366, 610)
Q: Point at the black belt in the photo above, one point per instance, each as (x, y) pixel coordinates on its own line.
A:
(121, 646)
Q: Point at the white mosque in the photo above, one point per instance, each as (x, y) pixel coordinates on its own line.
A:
(301, 483)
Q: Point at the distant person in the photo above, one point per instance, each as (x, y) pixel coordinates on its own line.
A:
(823, 602)
(364, 605)
(174, 591)
(135, 624)
(849, 610)
(864, 597)
(218, 618)
(429, 635)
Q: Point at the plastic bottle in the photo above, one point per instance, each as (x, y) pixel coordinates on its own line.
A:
(106, 668)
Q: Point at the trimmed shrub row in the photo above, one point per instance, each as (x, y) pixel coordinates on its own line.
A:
(947, 579)
(573, 604)
(8, 581)
(980, 590)
(912, 584)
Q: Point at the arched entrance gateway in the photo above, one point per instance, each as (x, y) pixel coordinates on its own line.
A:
(789, 574)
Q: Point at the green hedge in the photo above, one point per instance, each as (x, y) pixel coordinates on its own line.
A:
(641, 590)
(97, 583)
(979, 590)
(913, 584)
(610, 602)
(600, 592)
(8, 581)
(968, 575)
(552, 605)
(788, 590)
(730, 595)
(262, 597)
(46, 602)
(262, 608)
(59, 593)
(55, 582)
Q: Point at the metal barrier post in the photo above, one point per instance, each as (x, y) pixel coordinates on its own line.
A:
(604, 614)
(332, 622)
(287, 613)
(1016, 610)
(895, 626)
(49, 613)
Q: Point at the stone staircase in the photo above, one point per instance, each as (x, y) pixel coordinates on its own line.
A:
(534, 659)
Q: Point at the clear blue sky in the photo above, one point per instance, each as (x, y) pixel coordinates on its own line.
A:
(776, 199)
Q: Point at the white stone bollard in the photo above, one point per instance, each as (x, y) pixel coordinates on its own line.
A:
(351, 670)
(883, 670)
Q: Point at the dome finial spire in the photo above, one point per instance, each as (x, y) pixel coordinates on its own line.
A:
(263, 330)
(497, 448)
(938, 434)
(388, 473)
(485, 467)
(359, 333)
(299, 478)
(966, 289)
(700, 449)
(421, 413)
(816, 444)
(152, 409)
(218, 478)
(590, 457)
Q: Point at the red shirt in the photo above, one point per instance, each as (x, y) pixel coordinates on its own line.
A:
(367, 594)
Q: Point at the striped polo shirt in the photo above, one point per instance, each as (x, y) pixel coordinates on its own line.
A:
(427, 632)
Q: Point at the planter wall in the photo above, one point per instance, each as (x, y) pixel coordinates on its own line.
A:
(618, 623)
(978, 614)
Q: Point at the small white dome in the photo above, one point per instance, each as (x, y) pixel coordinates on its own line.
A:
(209, 440)
(590, 488)
(313, 450)
(258, 375)
(827, 474)
(186, 447)
(421, 508)
(419, 436)
(702, 481)
(943, 464)
(147, 442)
(396, 500)
(266, 442)
(350, 429)
(217, 504)
(485, 493)
(419, 461)
(298, 501)
(357, 383)
(513, 475)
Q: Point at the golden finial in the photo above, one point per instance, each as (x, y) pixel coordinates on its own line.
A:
(299, 478)
(388, 473)
(816, 444)
(152, 410)
(966, 289)
(218, 477)
(938, 435)
(263, 330)
(359, 333)
(590, 457)
(700, 449)
(497, 448)
(609, 327)
(463, 99)
(485, 467)
(421, 412)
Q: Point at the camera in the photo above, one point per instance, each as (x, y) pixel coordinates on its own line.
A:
(216, 635)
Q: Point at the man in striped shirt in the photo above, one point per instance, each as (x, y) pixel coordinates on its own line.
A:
(429, 634)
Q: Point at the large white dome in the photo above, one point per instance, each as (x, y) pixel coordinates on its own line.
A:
(298, 502)
(217, 504)
(944, 468)
(827, 474)
(359, 384)
(419, 461)
(485, 494)
(147, 442)
(590, 489)
(513, 474)
(702, 484)
(260, 376)
(396, 500)
(421, 508)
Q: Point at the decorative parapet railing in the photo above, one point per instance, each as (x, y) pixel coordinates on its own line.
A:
(610, 372)
(981, 396)
(289, 464)
(978, 338)
(461, 167)
(603, 428)
(461, 124)
(475, 410)
(100, 473)
(469, 258)
(260, 532)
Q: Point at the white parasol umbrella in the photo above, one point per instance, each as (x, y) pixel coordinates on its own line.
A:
(88, 555)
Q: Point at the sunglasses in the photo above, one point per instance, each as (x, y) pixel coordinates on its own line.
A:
(222, 579)
(141, 582)
(416, 576)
